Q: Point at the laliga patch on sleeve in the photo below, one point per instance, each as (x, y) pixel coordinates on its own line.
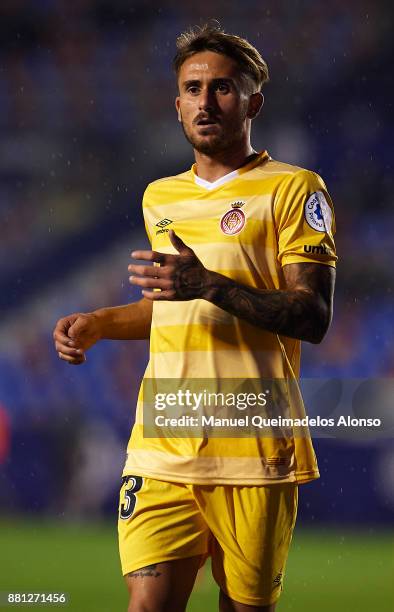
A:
(318, 212)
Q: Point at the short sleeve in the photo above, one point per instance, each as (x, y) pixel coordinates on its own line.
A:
(304, 220)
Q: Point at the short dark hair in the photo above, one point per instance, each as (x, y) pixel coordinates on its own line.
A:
(212, 38)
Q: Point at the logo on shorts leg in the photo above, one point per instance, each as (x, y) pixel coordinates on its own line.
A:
(278, 579)
(233, 220)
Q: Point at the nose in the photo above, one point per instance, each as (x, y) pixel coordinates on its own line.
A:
(206, 100)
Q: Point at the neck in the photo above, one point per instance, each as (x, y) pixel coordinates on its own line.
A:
(213, 167)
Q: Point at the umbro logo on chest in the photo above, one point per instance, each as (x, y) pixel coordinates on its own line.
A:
(162, 226)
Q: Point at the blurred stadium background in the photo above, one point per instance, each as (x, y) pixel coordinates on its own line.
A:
(86, 120)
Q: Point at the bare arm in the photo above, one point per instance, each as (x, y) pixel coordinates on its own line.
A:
(129, 322)
(302, 310)
(76, 333)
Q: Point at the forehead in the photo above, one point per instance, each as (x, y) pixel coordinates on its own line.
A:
(208, 64)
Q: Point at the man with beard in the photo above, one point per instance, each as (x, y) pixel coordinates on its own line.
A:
(243, 270)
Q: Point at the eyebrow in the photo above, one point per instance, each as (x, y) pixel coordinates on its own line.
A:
(197, 82)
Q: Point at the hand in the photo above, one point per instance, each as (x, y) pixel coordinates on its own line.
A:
(74, 334)
(179, 277)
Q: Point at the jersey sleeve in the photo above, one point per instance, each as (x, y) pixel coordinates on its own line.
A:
(304, 220)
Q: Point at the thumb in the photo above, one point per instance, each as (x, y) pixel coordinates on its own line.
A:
(180, 246)
(76, 329)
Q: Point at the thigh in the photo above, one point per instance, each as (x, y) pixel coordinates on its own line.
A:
(162, 586)
(252, 529)
(158, 522)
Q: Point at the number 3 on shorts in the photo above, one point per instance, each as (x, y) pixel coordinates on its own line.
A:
(132, 485)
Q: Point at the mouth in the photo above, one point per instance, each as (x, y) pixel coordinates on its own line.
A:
(206, 122)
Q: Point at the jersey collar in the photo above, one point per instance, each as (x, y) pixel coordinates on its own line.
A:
(262, 156)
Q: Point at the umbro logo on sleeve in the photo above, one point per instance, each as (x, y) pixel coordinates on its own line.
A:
(320, 249)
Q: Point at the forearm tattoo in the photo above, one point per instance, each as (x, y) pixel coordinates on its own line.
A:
(301, 311)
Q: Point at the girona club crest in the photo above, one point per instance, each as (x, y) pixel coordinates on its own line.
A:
(233, 220)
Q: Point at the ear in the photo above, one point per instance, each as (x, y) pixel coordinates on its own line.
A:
(178, 108)
(256, 101)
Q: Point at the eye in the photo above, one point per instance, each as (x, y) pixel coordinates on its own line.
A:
(222, 87)
(193, 89)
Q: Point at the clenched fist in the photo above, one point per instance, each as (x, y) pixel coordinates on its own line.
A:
(75, 334)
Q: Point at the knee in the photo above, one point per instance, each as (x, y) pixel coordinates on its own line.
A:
(139, 605)
(135, 606)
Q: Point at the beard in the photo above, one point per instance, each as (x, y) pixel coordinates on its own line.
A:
(215, 143)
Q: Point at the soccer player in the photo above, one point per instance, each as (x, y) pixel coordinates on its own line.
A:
(243, 270)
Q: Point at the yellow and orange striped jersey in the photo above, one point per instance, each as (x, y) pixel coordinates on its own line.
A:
(247, 226)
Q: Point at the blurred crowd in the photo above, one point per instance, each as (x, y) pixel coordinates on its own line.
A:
(87, 119)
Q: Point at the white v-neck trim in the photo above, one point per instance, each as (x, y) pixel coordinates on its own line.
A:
(220, 181)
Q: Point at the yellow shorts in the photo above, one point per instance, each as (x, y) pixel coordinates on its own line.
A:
(246, 530)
